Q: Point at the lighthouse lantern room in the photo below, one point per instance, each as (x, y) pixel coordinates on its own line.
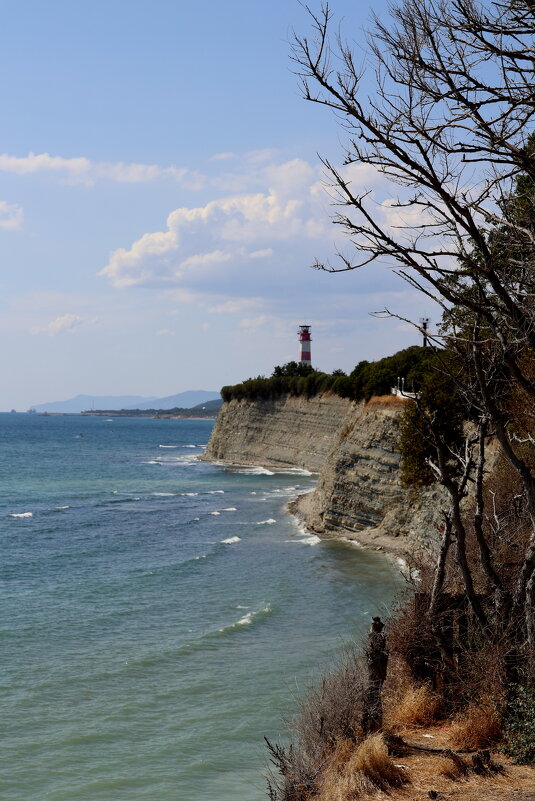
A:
(304, 345)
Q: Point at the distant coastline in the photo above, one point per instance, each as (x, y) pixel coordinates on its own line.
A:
(170, 414)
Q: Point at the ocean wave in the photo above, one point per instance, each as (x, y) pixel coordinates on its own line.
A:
(112, 501)
(215, 513)
(177, 461)
(164, 494)
(311, 539)
(189, 494)
(305, 537)
(229, 509)
(61, 508)
(231, 540)
(251, 471)
(169, 446)
(206, 641)
(292, 471)
(21, 514)
(215, 492)
(268, 522)
(247, 619)
(152, 461)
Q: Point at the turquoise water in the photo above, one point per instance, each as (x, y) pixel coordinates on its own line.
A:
(158, 615)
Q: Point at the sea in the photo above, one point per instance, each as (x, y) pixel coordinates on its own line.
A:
(159, 615)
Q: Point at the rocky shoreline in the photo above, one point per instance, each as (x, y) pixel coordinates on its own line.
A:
(353, 449)
(371, 539)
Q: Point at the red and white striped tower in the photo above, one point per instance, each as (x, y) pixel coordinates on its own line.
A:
(304, 345)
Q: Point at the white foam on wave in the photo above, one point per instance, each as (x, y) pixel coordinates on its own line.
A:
(215, 492)
(252, 493)
(194, 520)
(293, 471)
(189, 494)
(169, 446)
(229, 509)
(247, 619)
(21, 514)
(241, 606)
(203, 556)
(268, 522)
(178, 461)
(311, 539)
(252, 471)
(231, 540)
(354, 543)
(59, 508)
(190, 446)
(215, 513)
(305, 537)
(152, 461)
(164, 494)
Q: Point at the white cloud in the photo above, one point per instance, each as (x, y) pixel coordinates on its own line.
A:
(164, 332)
(223, 156)
(237, 237)
(245, 251)
(234, 306)
(11, 215)
(80, 170)
(67, 322)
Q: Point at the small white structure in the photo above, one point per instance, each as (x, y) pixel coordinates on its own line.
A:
(399, 390)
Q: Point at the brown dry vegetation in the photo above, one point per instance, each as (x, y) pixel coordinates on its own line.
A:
(480, 726)
(410, 704)
(386, 400)
(352, 771)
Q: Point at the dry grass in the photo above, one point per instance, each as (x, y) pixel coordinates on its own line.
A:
(352, 771)
(478, 726)
(411, 705)
(448, 768)
(386, 400)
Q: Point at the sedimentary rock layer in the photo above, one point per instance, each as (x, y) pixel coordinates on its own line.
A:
(353, 448)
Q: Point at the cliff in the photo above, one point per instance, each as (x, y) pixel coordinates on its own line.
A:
(353, 449)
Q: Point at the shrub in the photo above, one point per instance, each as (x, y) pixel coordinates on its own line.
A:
(330, 714)
(520, 724)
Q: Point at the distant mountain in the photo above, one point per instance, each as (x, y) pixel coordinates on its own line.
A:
(82, 403)
(184, 400)
(210, 406)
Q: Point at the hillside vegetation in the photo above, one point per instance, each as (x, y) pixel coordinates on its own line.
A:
(365, 380)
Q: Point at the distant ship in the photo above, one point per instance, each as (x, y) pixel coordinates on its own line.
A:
(13, 411)
(31, 410)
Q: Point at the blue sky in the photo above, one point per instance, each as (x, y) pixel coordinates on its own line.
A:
(161, 200)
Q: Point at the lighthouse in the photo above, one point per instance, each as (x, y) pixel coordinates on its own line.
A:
(304, 345)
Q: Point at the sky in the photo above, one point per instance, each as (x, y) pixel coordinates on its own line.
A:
(162, 201)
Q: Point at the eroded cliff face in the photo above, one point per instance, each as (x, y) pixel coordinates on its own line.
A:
(289, 432)
(353, 448)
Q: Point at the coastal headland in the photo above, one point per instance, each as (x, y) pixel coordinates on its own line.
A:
(352, 447)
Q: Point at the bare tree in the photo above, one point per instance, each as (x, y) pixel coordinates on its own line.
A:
(448, 125)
